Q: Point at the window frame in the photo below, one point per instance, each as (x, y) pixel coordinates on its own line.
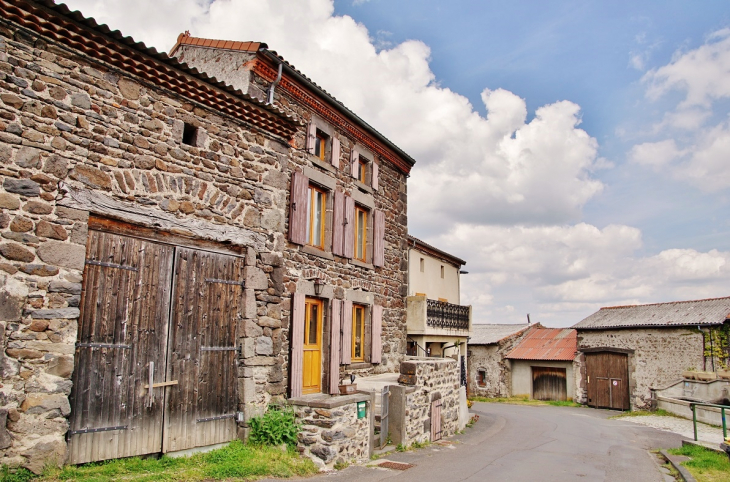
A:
(312, 189)
(361, 243)
(362, 309)
(321, 141)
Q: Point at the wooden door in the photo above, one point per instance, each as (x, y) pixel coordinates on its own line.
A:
(207, 303)
(312, 359)
(122, 334)
(607, 380)
(549, 383)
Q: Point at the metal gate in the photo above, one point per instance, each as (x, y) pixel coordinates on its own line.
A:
(384, 410)
(607, 380)
(436, 420)
(155, 362)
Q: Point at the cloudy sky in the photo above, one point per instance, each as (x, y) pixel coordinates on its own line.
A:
(576, 153)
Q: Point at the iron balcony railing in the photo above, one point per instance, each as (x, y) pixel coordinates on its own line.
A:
(446, 315)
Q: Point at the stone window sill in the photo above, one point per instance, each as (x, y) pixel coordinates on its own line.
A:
(359, 366)
(364, 187)
(359, 263)
(317, 252)
(322, 164)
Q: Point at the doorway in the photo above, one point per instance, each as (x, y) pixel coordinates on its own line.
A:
(607, 380)
(312, 360)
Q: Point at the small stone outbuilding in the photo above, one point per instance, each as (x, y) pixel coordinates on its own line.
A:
(489, 372)
(626, 350)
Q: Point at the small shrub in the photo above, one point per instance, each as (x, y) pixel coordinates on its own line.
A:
(278, 426)
(20, 475)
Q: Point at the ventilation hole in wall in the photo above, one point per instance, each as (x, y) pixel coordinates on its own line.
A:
(190, 132)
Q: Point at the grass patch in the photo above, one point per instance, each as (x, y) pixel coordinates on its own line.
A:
(526, 401)
(645, 413)
(705, 465)
(237, 461)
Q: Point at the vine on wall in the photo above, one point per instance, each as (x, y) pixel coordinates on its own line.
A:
(717, 347)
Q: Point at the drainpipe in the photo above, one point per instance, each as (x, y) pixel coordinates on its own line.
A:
(273, 85)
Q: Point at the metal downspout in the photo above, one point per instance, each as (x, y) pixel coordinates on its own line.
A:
(272, 87)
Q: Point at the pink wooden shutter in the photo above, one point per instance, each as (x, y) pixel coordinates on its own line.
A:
(338, 218)
(375, 176)
(298, 208)
(297, 344)
(335, 336)
(379, 238)
(348, 249)
(377, 330)
(346, 346)
(311, 137)
(354, 163)
(335, 152)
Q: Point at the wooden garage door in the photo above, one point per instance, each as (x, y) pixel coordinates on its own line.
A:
(549, 383)
(607, 380)
(132, 289)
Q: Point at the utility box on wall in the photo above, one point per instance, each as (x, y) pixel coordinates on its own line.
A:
(362, 409)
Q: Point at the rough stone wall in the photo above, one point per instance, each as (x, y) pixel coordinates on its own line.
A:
(332, 436)
(490, 358)
(433, 378)
(70, 124)
(660, 356)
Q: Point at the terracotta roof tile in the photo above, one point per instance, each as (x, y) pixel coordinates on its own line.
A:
(554, 344)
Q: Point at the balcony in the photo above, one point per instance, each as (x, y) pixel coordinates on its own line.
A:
(431, 317)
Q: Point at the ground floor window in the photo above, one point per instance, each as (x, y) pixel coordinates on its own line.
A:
(358, 333)
(482, 378)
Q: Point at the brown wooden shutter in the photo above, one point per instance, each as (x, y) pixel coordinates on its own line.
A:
(297, 344)
(379, 238)
(338, 219)
(375, 176)
(346, 346)
(348, 249)
(354, 163)
(377, 331)
(298, 211)
(311, 137)
(335, 152)
(335, 337)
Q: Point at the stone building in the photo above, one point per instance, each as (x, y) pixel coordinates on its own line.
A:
(438, 324)
(541, 364)
(159, 281)
(489, 371)
(626, 350)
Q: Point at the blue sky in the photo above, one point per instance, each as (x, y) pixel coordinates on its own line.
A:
(575, 153)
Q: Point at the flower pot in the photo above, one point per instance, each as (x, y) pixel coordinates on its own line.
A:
(724, 374)
(705, 376)
(689, 374)
(348, 389)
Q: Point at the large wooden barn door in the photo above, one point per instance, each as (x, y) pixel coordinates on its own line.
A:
(207, 303)
(549, 383)
(607, 380)
(122, 335)
(155, 365)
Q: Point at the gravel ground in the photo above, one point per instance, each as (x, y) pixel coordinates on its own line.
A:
(681, 426)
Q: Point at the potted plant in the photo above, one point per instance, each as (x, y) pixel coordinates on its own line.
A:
(348, 389)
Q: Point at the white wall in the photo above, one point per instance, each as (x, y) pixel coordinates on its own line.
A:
(429, 281)
(522, 376)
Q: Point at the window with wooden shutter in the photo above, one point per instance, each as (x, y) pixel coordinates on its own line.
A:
(358, 333)
(360, 250)
(297, 344)
(346, 340)
(335, 152)
(378, 238)
(377, 334)
(317, 208)
(338, 226)
(376, 170)
(298, 208)
(349, 231)
(335, 338)
(354, 163)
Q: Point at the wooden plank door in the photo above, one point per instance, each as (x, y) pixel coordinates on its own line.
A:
(207, 303)
(436, 420)
(122, 330)
(549, 383)
(607, 380)
(312, 360)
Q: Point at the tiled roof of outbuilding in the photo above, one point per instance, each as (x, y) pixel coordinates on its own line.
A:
(489, 334)
(553, 344)
(84, 34)
(660, 315)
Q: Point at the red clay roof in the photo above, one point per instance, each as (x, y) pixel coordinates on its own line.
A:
(554, 344)
(187, 39)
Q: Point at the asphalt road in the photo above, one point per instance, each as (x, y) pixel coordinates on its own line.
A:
(528, 443)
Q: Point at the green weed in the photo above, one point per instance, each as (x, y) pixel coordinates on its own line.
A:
(705, 465)
(276, 427)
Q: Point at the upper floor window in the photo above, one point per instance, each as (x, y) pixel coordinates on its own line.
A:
(361, 231)
(358, 333)
(317, 202)
(362, 173)
(320, 145)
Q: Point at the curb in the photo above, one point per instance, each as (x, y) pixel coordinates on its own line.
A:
(672, 459)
